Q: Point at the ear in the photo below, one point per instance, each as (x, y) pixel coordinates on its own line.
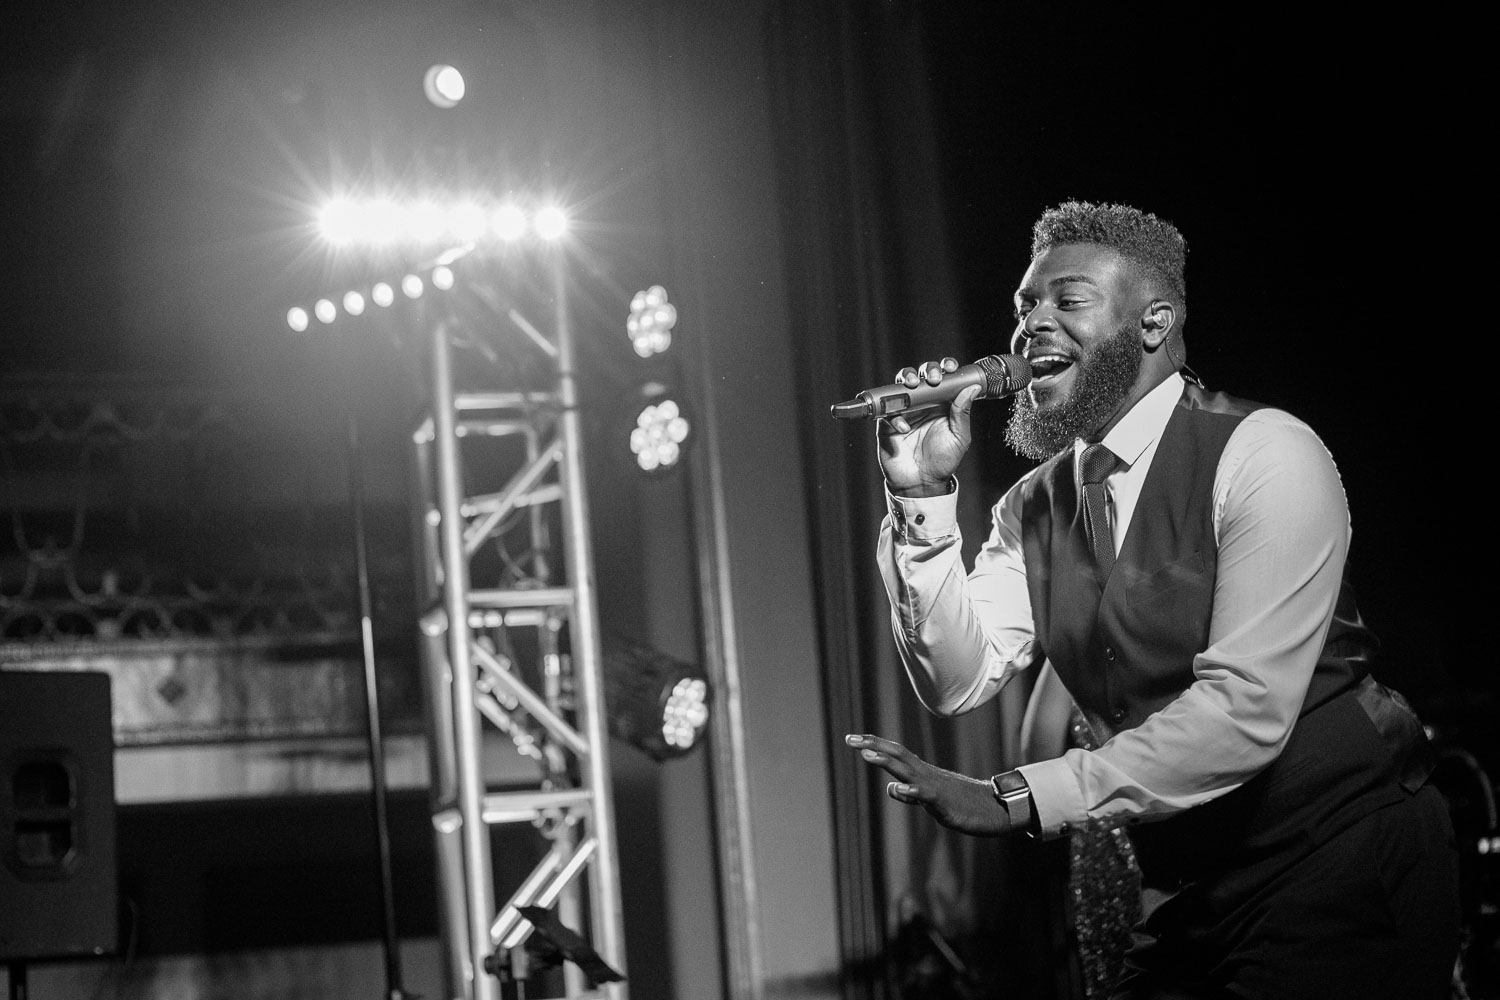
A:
(1157, 323)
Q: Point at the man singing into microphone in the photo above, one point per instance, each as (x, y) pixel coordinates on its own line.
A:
(1178, 557)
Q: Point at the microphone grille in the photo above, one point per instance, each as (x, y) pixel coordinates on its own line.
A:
(1004, 374)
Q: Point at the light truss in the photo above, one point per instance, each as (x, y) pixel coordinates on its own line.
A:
(521, 659)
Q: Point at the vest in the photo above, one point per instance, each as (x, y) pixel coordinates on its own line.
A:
(1127, 651)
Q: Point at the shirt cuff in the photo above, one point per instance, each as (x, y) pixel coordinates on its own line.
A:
(1055, 796)
(923, 519)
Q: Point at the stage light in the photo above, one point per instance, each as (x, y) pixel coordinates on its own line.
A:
(442, 278)
(651, 320)
(411, 286)
(297, 319)
(657, 704)
(550, 222)
(382, 294)
(384, 221)
(443, 85)
(354, 303)
(466, 221)
(426, 222)
(325, 310)
(508, 222)
(686, 712)
(340, 222)
(660, 432)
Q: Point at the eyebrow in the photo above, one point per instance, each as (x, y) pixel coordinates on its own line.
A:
(1065, 279)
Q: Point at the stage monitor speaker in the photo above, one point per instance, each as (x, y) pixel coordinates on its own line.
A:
(58, 884)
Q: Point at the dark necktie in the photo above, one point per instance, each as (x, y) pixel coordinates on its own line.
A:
(1096, 464)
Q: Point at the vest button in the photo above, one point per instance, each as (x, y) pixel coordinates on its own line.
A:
(1117, 714)
(1109, 653)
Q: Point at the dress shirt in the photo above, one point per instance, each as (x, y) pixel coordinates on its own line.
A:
(1282, 528)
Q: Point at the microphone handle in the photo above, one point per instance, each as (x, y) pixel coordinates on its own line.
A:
(889, 400)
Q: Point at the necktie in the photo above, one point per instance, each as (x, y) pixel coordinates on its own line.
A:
(1097, 463)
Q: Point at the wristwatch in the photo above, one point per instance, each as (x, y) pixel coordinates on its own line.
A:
(1014, 796)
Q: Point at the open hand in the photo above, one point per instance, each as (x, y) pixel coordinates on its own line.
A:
(958, 802)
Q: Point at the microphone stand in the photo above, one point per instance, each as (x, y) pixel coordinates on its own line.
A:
(390, 941)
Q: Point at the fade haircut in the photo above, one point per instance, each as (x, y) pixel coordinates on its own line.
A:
(1148, 242)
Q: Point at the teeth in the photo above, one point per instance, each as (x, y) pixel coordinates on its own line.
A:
(1049, 364)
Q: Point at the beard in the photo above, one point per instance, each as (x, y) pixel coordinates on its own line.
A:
(1103, 378)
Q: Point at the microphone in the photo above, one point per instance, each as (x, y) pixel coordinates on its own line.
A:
(1000, 374)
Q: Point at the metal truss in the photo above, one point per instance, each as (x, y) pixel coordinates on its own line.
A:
(516, 657)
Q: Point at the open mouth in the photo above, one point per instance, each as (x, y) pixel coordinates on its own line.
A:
(1046, 367)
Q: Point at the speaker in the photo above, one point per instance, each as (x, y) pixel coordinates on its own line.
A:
(58, 884)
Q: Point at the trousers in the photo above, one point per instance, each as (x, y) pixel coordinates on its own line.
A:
(1370, 914)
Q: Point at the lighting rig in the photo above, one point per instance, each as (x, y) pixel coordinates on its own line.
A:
(513, 646)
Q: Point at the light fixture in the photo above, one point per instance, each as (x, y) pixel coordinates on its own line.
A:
(443, 85)
(435, 219)
(661, 431)
(354, 302)
(656, 703)
(550, 222)
(651, 320)
(508, 222)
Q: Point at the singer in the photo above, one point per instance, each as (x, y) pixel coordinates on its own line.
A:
(1178, 559)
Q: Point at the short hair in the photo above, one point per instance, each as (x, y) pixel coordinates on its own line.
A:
(1149, 242)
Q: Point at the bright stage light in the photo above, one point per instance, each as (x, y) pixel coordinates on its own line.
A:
(443, 85)
(426, 222)
(354, 303)
(508, 222)
(651, 321)
(382, 294)
(435, 219)
(411, 286)
(658, 436)
(686, 713)
(297, 319)
(656, 703)
(325, 310)
(466, 221)
(550, 222)
(340, 222)
(442, 278)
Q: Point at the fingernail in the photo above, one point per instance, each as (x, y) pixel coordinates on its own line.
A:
(853, 741)
(868, 754)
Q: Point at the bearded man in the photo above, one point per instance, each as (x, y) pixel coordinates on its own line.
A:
(1178, 557)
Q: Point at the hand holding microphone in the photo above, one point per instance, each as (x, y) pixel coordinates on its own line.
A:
(919, 457)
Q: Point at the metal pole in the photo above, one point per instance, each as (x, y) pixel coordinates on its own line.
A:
(588, 660)
(471, 788)
(376, 742)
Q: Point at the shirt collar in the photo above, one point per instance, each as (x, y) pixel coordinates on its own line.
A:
(1144, 422)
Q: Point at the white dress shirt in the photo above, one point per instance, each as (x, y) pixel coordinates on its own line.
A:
(1282, 527)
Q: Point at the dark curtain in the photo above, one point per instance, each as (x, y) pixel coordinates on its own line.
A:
(873, 288)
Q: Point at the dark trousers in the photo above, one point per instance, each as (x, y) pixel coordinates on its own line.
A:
(1371, 914)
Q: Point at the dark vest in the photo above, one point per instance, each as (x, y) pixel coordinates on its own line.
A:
(1127, 651)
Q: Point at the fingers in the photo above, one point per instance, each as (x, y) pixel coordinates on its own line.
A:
(964, 401)
(903, 793)
(931, 372)
(891, 757)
